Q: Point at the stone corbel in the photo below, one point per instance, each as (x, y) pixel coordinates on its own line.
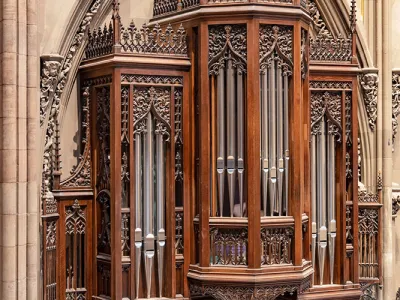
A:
(369, 83)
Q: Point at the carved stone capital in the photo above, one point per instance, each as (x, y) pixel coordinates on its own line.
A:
(50, 71)
(369, 83)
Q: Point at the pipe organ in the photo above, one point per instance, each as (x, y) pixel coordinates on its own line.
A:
(217, 160)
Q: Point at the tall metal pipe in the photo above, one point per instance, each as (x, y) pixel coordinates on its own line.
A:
(321, 188)
(272, 138)
(231, 133)
(221, 138)
(148, 201)
(331, 203)
(279, 139)
(240, 138)
(138, 209)
(264, 139)
(286, 140)
(314, 220)
(160, 209)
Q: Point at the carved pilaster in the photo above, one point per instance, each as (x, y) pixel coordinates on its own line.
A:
(369, 83)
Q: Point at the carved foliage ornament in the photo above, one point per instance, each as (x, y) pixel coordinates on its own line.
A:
(48, 81)
(395, 103)
(221, 292)
(51, 235)
(157, 101)
(369, 84)
(103, 135)
(395, 203)
(276, 43)
(326, 104)
(81, 173)
(151, 79)
(50, 101)
(154, 40)
(323, 45)
(227, 42)
(104, 238)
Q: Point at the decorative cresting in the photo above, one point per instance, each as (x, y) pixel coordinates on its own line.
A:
(81, 173)
(395, 102)
(154, 40)
(276, 245)
(100, 42)
(75, 229)
(326, 132)
(324, 46)
(227, 68)
(276, 67)
(220, 292)
(369, 83)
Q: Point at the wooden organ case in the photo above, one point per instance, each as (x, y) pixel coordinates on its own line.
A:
(219, 159)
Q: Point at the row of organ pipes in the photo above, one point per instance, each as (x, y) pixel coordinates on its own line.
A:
(274, 139)
(150, 188)
(230, 137)
(323, 216)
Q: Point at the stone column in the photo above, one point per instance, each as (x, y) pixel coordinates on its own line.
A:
(387, 162)
(19, 224)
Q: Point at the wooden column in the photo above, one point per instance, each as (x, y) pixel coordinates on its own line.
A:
(297, 132)
(205, 148)
(115, 169)
(252, 130)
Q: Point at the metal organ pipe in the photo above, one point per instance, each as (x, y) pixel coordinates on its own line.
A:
(240, 139)
(314, 220)
(148, 201)
(160, 208)
(279, 144)
(264, 145)
(138, 208)
(286, 141)
(221, 138)
(272, 138)
(321, 189)
(331, 203)
(231, 134)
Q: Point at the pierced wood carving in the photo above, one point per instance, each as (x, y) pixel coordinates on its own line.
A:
(154, 40)
(276, 245)
(368, 242)
(276, 43)
(81, 173)
(227, 42)
(228, 246)
(326, 104)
